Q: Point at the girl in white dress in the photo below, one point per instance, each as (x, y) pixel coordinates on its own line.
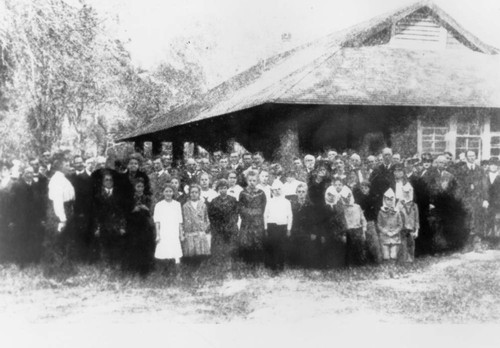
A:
(169, 233)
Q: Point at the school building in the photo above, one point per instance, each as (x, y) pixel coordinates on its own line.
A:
(413, 79)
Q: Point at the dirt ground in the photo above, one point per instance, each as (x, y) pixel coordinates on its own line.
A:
(459, 288)
(296, 308)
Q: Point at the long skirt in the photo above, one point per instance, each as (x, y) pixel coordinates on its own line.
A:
(304, 252)
(251, 239)
(332, 253)
(407, 248)
(355, 251)
(372, 243)
(196, 244)
(139, 244)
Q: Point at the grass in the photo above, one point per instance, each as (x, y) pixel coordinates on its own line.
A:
(458, 288)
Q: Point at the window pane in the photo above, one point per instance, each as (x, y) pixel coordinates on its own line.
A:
(474, 143)
(495, 152)
(495, 123)
(440, 146)
(461, 142)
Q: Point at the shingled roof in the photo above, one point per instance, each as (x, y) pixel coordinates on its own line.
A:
(340, 69)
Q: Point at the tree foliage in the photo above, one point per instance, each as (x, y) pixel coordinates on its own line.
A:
(63, 68)
(65, 80)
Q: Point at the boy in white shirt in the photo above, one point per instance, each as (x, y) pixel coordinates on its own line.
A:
(278, 224)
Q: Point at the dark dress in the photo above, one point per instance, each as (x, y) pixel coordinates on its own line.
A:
(331, 228)
(140, 237)
(372, 242)
(448, 218)
(381, 179)
(27, 213)
(316, 190)
(85, 241)
(223, 215)
(303, 250)
(493, 219)
(252, 205)
(110, 217)
(5, 235)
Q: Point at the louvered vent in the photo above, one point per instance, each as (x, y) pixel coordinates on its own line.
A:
(419, 30)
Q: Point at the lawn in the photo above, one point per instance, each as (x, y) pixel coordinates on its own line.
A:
(457, 288)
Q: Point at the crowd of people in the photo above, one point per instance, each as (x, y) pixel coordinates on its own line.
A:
(320, 211)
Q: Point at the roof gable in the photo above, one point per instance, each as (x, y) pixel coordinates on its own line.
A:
(366, 34)
(284, 78)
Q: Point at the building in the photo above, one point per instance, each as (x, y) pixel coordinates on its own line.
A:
(413, 79)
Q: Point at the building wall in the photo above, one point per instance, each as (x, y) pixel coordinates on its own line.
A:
(458, 130)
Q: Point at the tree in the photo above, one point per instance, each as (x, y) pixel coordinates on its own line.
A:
(64, 68)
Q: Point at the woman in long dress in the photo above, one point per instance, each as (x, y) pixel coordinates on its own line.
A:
(252, 204)
(196, 226)
(223, 214)
(140, 236)
(169, 233)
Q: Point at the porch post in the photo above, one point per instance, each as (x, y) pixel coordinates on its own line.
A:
(177, 151)
(157, 147)
(139, 146)
(289, 143)
(452, 135)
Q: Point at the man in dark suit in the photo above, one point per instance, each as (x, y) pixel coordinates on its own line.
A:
(39, 177)
(424, 184)
(158, 179)
(81, 180)
(474, 194)
(382, 178)
(492, 232)
(111, 206)
(27, 218)
(189, 175)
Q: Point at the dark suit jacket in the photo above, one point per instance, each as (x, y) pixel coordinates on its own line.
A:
(472, 184)
(381, 179)
(27, 205)
(82, 184)
(493, 190)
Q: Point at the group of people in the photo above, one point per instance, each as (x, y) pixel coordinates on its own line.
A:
(327, 211)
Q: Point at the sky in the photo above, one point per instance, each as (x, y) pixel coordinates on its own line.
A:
(228, 36)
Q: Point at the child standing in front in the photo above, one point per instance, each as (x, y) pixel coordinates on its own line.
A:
(389, 224)
(409, 213)
(168, 221)
(278, 224)
(355, 228)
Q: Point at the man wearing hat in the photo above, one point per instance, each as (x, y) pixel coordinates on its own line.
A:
(382, 178)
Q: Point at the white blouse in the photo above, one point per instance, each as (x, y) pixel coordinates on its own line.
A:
(60, 191)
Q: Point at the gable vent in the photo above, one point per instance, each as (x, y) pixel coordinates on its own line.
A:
(419, 30)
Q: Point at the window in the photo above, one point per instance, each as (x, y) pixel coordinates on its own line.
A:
(434, 139)
(468, 134)
(434, 131)
(495, 146)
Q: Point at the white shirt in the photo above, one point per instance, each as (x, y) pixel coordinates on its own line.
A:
(235, 191)
(266, 189)
(208, 195)
(60, 191)
(399, 190)
(492, 176)
(290, 188)
(279, 211)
